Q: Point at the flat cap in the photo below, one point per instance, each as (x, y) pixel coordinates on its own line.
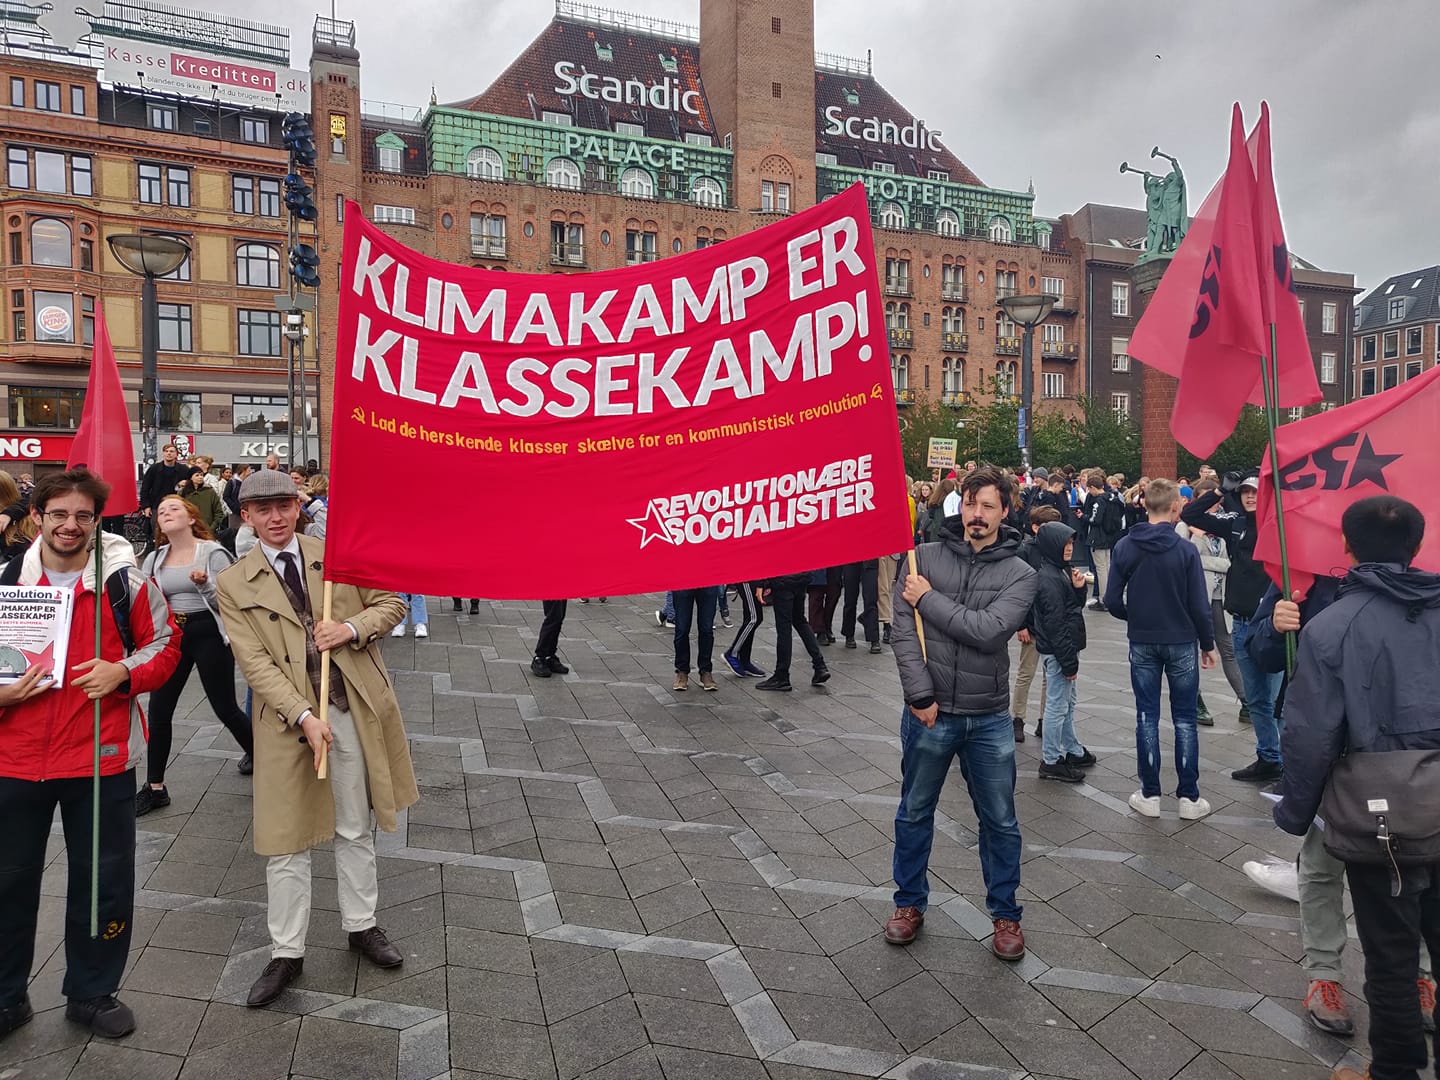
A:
(267, 484)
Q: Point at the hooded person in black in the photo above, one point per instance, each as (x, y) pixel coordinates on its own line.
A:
(1057, 624)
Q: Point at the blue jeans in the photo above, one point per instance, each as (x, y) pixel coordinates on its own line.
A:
(1059, 737)
(1180, 664)
(415, 608)
(698, 606)
(668, 610)
(1261, 687)
(985, 746)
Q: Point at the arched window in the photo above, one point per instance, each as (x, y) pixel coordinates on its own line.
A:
(484, 164)
(947, 223)
(952, 320)
(902, 317)
(258, 266)
(563, 173)
(637, 182)
(892, 215)
(50, 243)
(952, 376)
(706, 191)
(1005, 378)
(1000, 228)
(900, 371)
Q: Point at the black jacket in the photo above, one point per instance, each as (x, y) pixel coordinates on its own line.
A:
(1103, 519)
(1247, 581)
(1057, 617)
(1366, 680)
(1266, 644)
(161, 480)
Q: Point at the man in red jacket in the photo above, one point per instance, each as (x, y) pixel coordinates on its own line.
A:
(46, 758)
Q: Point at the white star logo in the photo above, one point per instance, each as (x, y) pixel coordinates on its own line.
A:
(652, 526)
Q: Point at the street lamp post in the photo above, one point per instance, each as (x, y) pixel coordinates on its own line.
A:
(1027, 311)
(149, 257)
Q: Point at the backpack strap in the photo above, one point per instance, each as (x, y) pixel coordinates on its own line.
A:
(10, 575)
(117, 591)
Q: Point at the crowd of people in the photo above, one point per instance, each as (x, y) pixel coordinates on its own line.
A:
(236, 557)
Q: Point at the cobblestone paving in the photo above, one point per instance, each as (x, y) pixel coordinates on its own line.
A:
(606, 879)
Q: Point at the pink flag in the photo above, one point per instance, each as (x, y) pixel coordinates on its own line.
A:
(102, 444)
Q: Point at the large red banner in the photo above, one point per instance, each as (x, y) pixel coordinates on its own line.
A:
(714, 417)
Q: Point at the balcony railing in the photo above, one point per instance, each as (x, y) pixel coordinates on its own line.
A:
(1060, 350)
(955, 290)
(1066, 305)
(954, 341)
(901, 337)
(487, 247)
(897, 286)
(955, 398)
(1007, 346)
(1004, 291)
(904, 396)
(567, 256)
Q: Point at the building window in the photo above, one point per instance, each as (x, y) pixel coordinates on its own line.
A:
(1391, 345)
(952, 320)
(900, 372)
(882, 166)
(82, 181)
(181, 272)
(1302, 311)
(259, 333)
(1120, 404)
(177, 186)
(1006, 284)
(19, 317)
(567, 243)
(50, 172)
(50, 243)
(947, 223)
(1413, 369)
(1413, 340)
(563, 173)
(559, 119)
(1397, 308)
(258, 415)
(269, 197)
(1297, 413)
(1390, 377)
(637, 183)
(389, 159)
(254, 129)
(774, 89)
(1052, 333)
(1000, 230)
(77, 101)
(892, 215)
(161, 117)
(624, 127)
(774, 24)
(897, 277)
(482, 163)
(1120, 354)
(1054, 384)
(1367, 382)
(242, 194)
(487, 235)
(179, 410)
(1053, 286)
(706, 191)
(150, 187)
(952, 376)
(393, 215)
(18, 167)
(175, 328)
(640, 247)
(1120, 298)
(1327, 368)
(54, 316)
(87, 320)
(17, 93)
(1005, 378)
(1367, 349)
(1329, 317)
(47, 96)
(937, 174)
(952, 282)
(87, 256)
(774, 196)
(695, 138)
(897, 316)
(46, 406)
(257, 266)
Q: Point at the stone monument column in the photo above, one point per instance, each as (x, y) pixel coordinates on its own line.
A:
(1158, 449)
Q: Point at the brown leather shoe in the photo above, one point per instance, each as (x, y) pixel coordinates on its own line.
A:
(682, 681)
(1008, 942)
(278, 974)
(904, 925)
(707, 681)
(376, 947)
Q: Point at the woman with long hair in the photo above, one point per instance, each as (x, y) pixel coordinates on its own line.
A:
(17, 528)
(184, 565)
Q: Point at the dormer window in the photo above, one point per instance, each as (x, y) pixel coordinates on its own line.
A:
(623, 127)
(852, 97)
(669, 63)
(559, 119)
(603, 52)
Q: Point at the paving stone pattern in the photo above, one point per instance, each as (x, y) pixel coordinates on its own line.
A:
(606, 879)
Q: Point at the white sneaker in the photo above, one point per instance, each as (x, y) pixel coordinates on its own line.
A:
(1194, 809)
(421, 630)
(399, 630)
(1146, 807)
(1280, 878)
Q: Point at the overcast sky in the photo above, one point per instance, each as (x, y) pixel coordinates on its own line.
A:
(1061, 91)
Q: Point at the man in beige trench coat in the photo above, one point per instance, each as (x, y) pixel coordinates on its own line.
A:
(271, 605)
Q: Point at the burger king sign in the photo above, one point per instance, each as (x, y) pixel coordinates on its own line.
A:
(54, 323)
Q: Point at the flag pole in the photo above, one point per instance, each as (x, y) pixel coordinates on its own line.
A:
(95, 762)
(322, 771)
(919, 623)
(1270, 377)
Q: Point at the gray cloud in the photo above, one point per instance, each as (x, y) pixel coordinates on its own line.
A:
(1061, 92)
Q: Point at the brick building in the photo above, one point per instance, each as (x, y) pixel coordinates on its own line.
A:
(90, 156)
(612, 140)
(1107, 240)
(1396, 331)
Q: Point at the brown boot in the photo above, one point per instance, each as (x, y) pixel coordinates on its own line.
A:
(1008, 942)
(904, 925)
(682, 681)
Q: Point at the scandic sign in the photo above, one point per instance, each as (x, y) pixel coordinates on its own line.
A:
(193, 74)
(715, 417)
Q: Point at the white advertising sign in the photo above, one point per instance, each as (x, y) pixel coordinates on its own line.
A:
(192, 73)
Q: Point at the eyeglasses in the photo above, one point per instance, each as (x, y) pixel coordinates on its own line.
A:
(59, 517)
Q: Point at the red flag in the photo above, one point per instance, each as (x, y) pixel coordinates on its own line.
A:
(1298, 381)
(102, 444)
(1206, 322)
(1373, 446)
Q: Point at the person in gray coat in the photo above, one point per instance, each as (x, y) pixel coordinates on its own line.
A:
(972, 594)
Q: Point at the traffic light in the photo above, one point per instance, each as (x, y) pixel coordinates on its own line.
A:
(300, 198)
(299, 139)
(305, 265)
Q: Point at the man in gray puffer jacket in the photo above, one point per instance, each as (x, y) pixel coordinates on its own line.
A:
(972, 594)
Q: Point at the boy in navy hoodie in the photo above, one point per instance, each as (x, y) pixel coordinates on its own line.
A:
(1057, 624)
(1172, 612)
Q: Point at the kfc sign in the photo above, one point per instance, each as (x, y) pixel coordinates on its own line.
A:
(668, 94)
(195, 74)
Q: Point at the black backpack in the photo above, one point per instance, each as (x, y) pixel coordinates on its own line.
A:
(117, 591)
